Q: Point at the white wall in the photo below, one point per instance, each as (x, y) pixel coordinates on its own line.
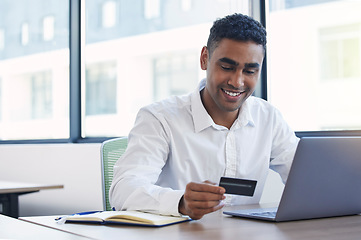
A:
(78, 168)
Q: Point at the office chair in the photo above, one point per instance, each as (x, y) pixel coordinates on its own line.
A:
(110, 151)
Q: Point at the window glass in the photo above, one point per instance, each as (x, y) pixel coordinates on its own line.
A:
(1, 100)
(2, 40)
(173, 74)
(25, 34)
(186, 5)
(151, 9)
(101, 78)
(152, 53)
(41, 99)
(109, 14)
(48, 28)
(34, 69)
(314, 63)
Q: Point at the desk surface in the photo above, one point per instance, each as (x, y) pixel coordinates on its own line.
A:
(219, 226)
(20, 187)
(12, 228)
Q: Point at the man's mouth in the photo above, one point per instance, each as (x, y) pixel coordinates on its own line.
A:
(232, 94)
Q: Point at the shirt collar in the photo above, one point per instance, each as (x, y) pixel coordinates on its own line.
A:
(203, 120)
(245, 117)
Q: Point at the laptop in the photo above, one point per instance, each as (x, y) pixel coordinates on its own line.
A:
(324, 181)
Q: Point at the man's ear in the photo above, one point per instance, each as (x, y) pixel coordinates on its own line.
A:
(204, 58)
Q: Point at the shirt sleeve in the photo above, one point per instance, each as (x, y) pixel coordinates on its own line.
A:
(137, 171)
(284, 146)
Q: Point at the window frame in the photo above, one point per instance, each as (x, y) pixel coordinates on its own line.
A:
(77, 71)
(263, 89)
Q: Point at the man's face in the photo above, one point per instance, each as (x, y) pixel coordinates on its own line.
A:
(232, 73)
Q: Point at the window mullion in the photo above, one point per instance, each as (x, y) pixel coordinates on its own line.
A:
(75, 70)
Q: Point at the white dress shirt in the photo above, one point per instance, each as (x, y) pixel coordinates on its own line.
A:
(175, 142)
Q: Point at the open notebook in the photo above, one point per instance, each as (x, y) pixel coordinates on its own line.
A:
(123, 217)
(324, 181)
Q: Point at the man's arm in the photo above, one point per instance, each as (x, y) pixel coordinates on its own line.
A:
(137, 171)
(284, 146)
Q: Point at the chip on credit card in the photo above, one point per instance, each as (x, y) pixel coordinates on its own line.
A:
(238, 186)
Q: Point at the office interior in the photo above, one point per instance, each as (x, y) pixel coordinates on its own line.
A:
(75, 73)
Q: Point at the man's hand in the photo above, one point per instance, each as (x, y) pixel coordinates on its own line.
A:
(200, 199)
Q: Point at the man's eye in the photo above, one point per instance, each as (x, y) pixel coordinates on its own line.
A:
(249, 72)
(227, 68)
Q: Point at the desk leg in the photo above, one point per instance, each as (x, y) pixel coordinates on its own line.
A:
(10, 204)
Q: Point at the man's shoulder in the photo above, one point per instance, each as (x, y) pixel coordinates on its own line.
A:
(259, 103)
(173, 105)
(261, 109)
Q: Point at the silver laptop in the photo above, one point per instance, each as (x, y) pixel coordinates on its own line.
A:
(324, 181)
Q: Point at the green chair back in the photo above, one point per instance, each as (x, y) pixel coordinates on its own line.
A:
(110, 152)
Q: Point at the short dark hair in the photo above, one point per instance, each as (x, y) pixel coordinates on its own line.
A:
(236, 27)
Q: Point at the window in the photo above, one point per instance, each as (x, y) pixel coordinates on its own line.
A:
(1, 107)
(337, 47)
(25, 34)
(48, 28)
(314, 63)
(151, 9)
(109, 14)
(186, 5)
(35, 78)
(2, 39)
(101, 89)
(145, 61)
(41, 98)
(173, 74)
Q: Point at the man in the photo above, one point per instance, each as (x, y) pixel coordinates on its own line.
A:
(180, 147)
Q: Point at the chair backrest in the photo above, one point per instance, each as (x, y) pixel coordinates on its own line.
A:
(110, 152)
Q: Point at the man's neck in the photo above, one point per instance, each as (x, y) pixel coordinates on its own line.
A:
(226, 119)
(223, 118)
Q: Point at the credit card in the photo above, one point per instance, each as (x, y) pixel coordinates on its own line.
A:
(238, 186)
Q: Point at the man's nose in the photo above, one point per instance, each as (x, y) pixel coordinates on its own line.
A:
(237, 81)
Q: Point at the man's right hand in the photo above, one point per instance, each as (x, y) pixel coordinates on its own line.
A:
(200, 199)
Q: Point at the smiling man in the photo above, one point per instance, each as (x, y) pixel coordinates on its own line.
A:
(232, 74)
(180, 147)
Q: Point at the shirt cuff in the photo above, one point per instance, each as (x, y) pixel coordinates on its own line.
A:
(170, 201)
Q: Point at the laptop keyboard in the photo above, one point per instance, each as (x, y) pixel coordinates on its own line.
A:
(263, 214)
(260, 213)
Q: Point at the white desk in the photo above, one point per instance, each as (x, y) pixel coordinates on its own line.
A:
(10, 191)
(11, 228)
(219, 226)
